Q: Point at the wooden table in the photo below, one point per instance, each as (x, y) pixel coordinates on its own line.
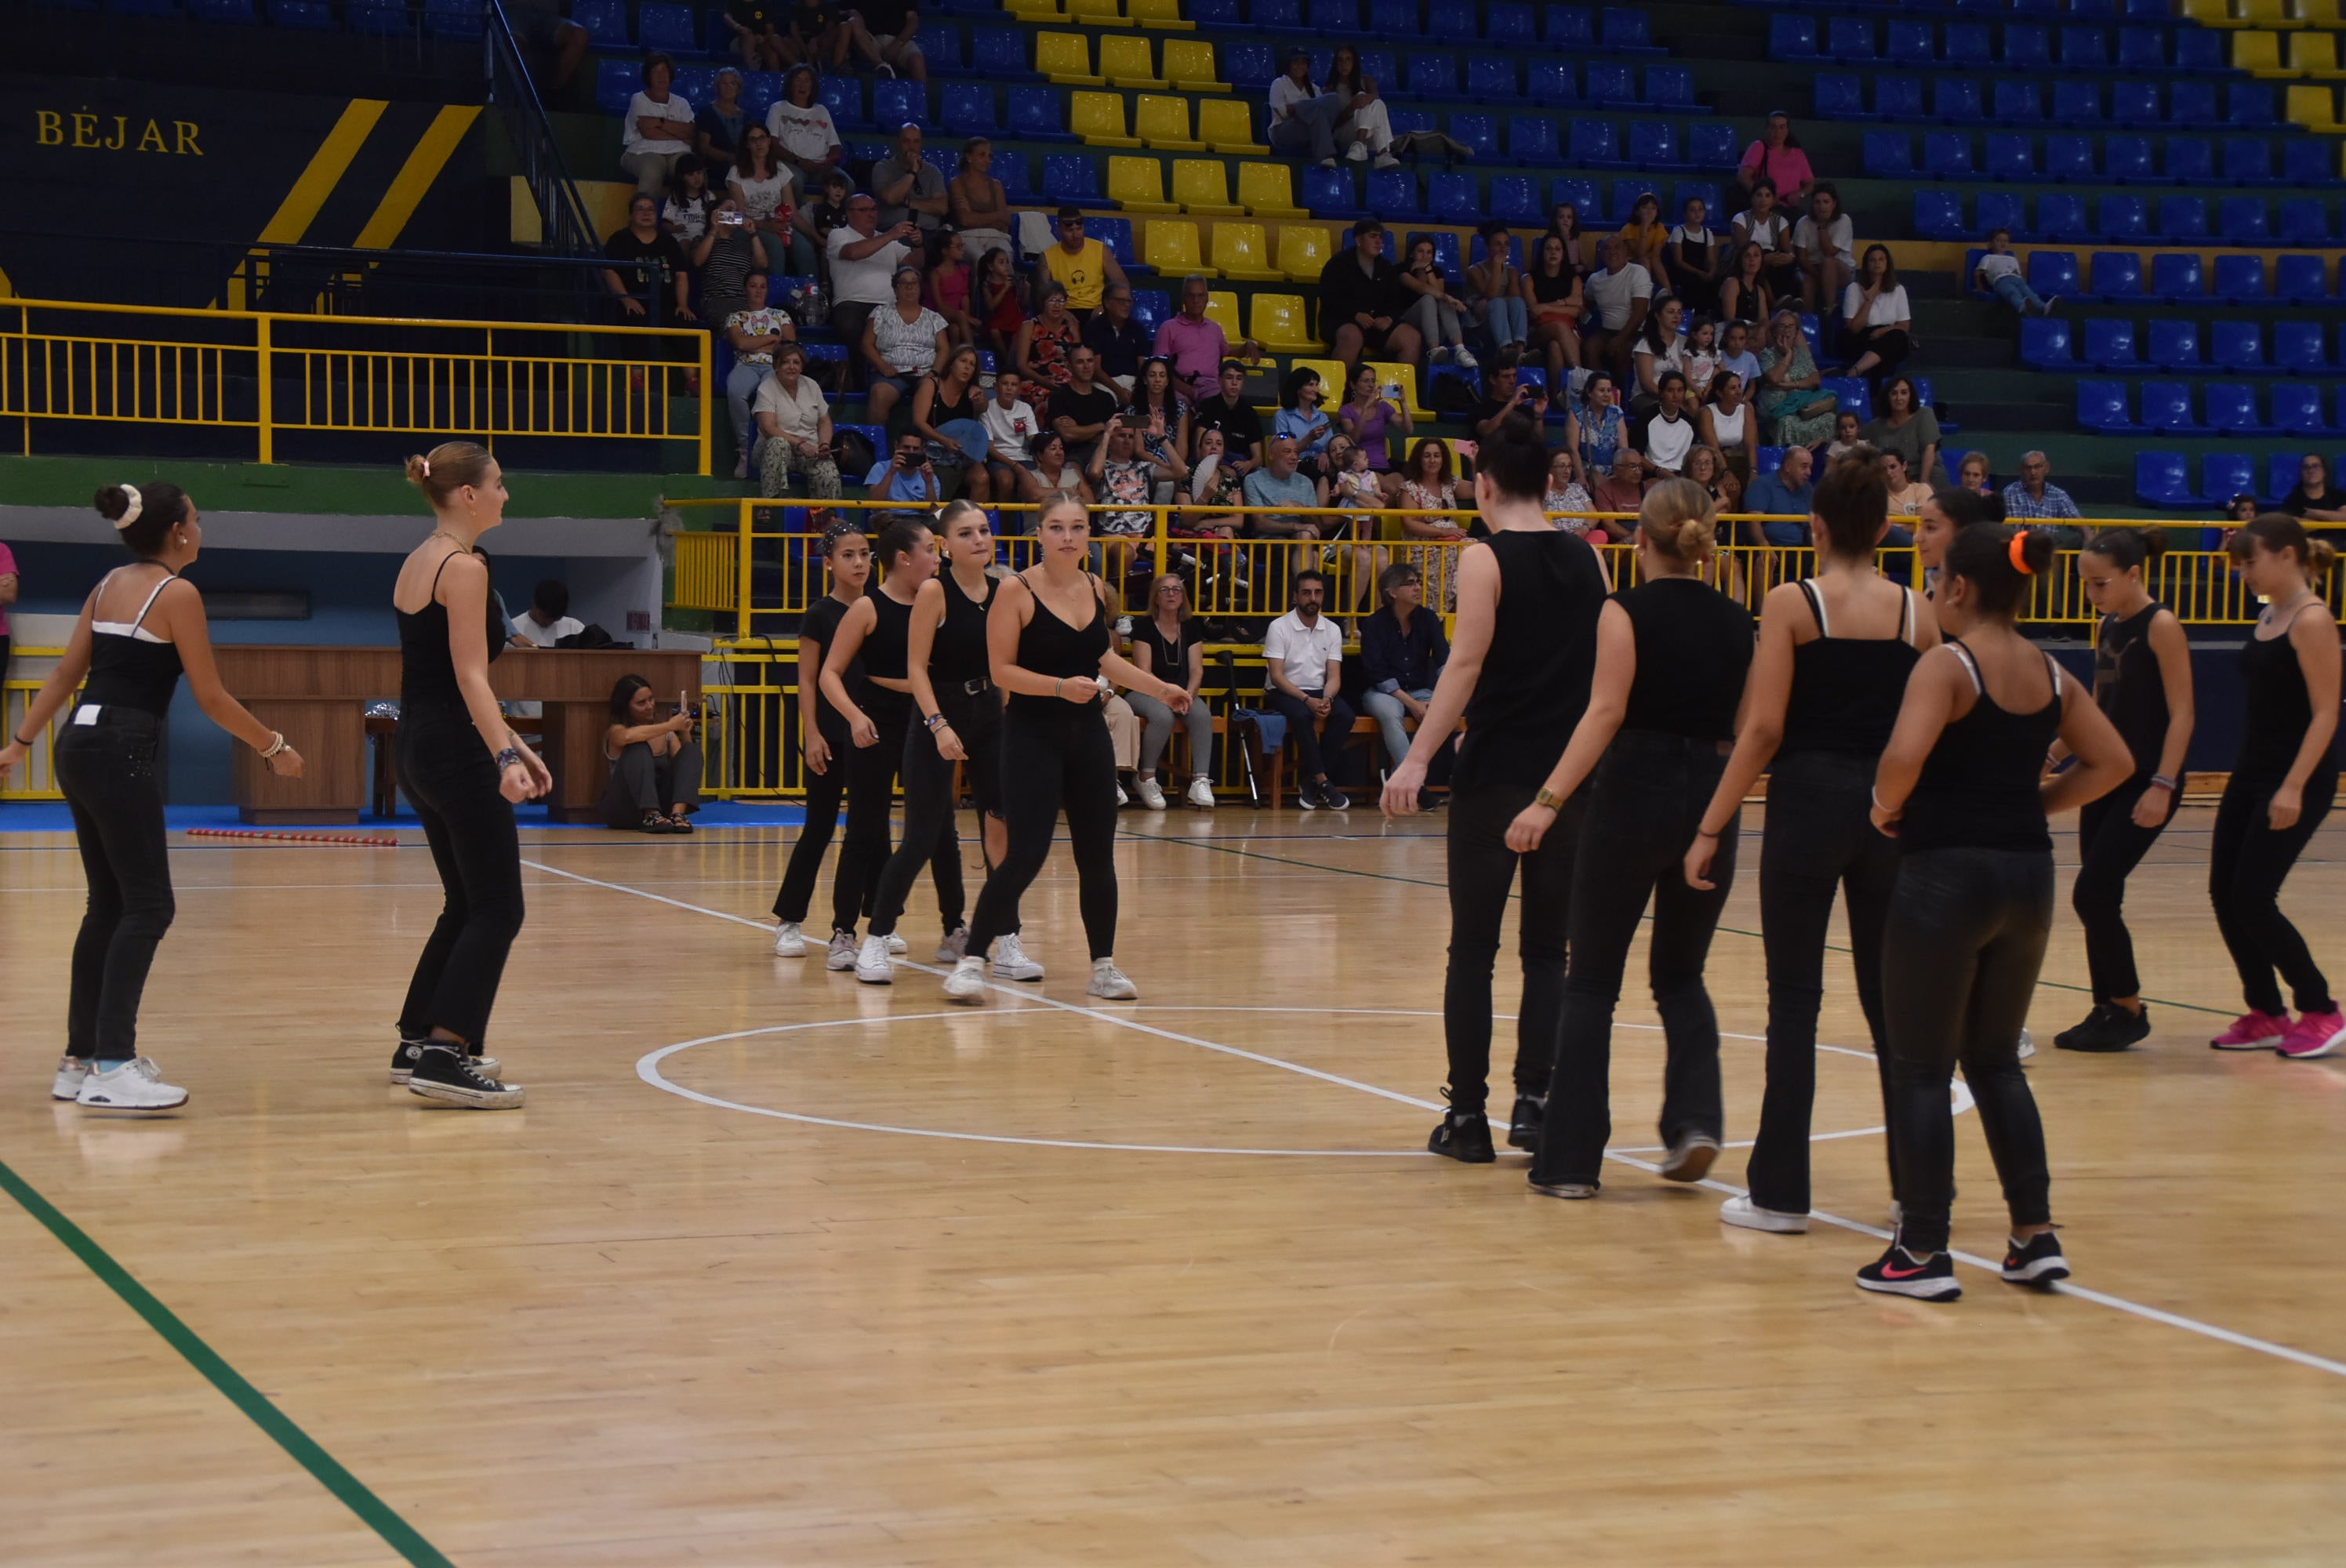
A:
(316, 697)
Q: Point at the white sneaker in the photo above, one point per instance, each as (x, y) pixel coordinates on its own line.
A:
(967, 981)
(842, 950)
(1152, 795)
(1010, 960)
(1110, 983)
(896, 945)
(1121, 797)
(2027, 1045)
(789, 941)
(1387, 160)
(72, 1074)
(956, 946)
(136, 1085)
(1124, 625)
(1440, 354)
(742, 466)
(1357, 153)
(872, 965)
(1750, 1216)
(1462, 358)
(1201, 793)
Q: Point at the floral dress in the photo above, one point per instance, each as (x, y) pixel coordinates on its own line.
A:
(1571, 498)
(1779, 406)
(1436, 564)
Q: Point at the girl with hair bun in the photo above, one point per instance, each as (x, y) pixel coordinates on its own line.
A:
(2142, 680)
(140, 629)
(1671, 657)
(1962, 787)
(2283, 783)
(823, 744)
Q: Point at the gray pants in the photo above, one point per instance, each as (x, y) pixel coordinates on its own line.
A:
(1386, 710)
(1156, 722)
(1438, 321)
(641, 782)
(652, 170)
(1310, 125)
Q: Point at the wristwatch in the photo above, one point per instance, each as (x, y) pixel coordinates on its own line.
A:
(1549, 799)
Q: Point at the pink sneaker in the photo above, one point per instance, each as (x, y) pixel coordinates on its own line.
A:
(2252, 1032)
(2316, 1035)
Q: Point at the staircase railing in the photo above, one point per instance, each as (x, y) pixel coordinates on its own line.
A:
(561, 212)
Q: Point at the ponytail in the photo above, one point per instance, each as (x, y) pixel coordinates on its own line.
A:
(449, 467)
(1680, 519)
(899, 538)
(2127, 548)
(1999, 562)
(2278, 531)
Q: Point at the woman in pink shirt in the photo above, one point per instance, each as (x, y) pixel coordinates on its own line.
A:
(1777, 156)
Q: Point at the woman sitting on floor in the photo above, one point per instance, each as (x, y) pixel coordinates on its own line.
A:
(654, 761)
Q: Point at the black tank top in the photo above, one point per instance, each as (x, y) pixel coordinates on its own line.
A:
(1979, 785)
(1534, 682)
(958, 655)
(1846, 690)
(2278, 708)
(2127, 689)
(900, 418)
(821, 624)
(886, 645)
(1049, 647)
(1694, 648)
(427, 672)
(128, 670)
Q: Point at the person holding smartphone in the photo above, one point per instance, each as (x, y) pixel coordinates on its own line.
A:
(653, 761)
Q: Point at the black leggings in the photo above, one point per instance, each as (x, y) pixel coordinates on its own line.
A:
(113, 786)
(1647, 799)
(2247, 864)
(1055, 755)
(1818, 838)
(824, 791)
(2109, 847)
(871, 789)
(451, 780)
(1482, 869)
(1961, 952)
(929, 825)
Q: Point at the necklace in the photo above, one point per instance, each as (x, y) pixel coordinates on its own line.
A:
(444, 534)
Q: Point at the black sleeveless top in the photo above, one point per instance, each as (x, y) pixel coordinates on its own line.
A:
(888, 643)
(1694, 648)
(127, 670)
(2278, 708)
(958, 656)
(2127, 689)
(1846, 690)
(1049, 647)
(1534, 682)
(1979, 786)
(1552, 290)
(971, 407)
(821, 623)
(427, 672)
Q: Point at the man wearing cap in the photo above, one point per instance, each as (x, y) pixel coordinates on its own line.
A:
(1081, 266)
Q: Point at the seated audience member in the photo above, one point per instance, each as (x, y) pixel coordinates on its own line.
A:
(658, 130)
(2313, 498)
(1746, 295)
(801, 123)
(1439, 316)
(2241, 508)
(1010, 430)
(979, 205)
(1658, 350)
(1620, 295)
(947, 288)
(1300, 417)
(864, 263)
(1776, 161)
(1973, 474)
(723, 121)
(1878, 324)
(647, 266)
(729, 252)
(1794, 408)
(908, 478)
(816, 219)
(1083, 410)
(1735, 352)
(1194, 341)
(1362, 301)
(1597, 430)
(654, 785)
(1785, 493)
(1668, 435)
(1216, 489)
(1848, 435)
(1043, 346)
(1430, 485)
(1230, 411)
(1647, 235)
(822, 32)
(1363, 128)
(1763, 227)
(1302, 118)
(895, 29)
(1373, 416)
(1692, 255)
(1725, 423)
(2029, 498)
(690, 202)
(1822, 245)
(1354, 483)
(1565, 493)
(1055, 471)
(908, 186)
(1277, 483)
(1304, 651)
(1906, 492)
(548, 619)
(1494, 289)
(946, 410)
(1554, 302)
(1120, 341)
(995, 307)
(755, 331)
(1081, 265)
(902, 342)
(555, 44)
(1124, 478)
(1700, 358)
(1402, 651)
(1505, 392)
(1623, 489)
(1998, 273)
(794, 434)
(1907, 426)
(1169, 645)
(1164, 416)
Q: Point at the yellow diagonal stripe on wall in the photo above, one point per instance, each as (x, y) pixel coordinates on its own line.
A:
(432, 153)
(332, 161)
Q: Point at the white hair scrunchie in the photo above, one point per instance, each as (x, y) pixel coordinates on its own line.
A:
(427, 466)
(137, 504)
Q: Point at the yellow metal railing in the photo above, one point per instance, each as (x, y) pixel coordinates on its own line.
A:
(37, 779)
(272, 373)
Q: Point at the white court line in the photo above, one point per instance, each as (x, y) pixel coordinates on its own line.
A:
(2062, 1288)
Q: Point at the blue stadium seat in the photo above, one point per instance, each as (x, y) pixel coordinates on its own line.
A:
(1569, 26)
(969, 109)
(1840, 97)
(2299, 348)
(1512, 24)
(1017, 182)
(2281, 469)
(2137, 104)
(2162, 479)
(2252, 106)
(1326, 192)
(1432, 75)
(1849, 38)
(615, 82)
(605, 22)
(1595, 144)
(1625, 31)
(2015, 103)
(2297, 279)
(2242, 220)
(2297, 409)
(2239, 280)
(1850, 393)
(2142, 48)
(1392, 193)
(2225, 474)
(2002, 209)
(2304, 219)
(2051, 272)
(2069, 156)
(1531, 140)
(2190, 159)
(2076, 103)
(1394, 19)
(1898, 98)
(1790, 37)
(2182, 219)
(1454, 198)
(1000, 52)
(1330, 18)
(240, 13)
(1249, 64)
(2060, 215)
(442, 18)
(1888, 154)
(387, 21)
(897, 103)
(2176, 275)
(2109, 345)
(318, 17)
(2102, 407)
(2027, 47)
(2167, 408)
(1037, 114)
(1611, 85)
(1708, 190)
(2193, 104)
(1279, 17)
(1491, 79)
(2174, 345)
(1939, 214)
(1454, 24)
(1552, 82)
(1956, 101)
(2046, 343)
(667, 28)
(1115, 233)
(1515, 200)
(2011, 155)
(1479, 132)
(2248, 160)
(1654, 144)
(1710, 144)
(1582, 195)
(1670, 88)
(1071, 176)
(843, 97)
(2085, 49)
(1767, 460)
(2199, 50)
(1911, 44)
(1218, 15)
(2237, 345)
(2307, 160)
(1946, 154)
(1964, 44)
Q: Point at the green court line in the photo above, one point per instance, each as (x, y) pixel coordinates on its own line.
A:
(402, 1536)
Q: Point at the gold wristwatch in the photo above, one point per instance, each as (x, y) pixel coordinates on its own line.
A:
(1549, 799)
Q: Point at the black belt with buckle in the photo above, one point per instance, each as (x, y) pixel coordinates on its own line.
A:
(976, 688)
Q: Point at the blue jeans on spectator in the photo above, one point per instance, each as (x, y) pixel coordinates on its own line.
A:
(1386, 707)
(2017, 293)
(1506, 321)
(1311, 124)
(1789, 535)
(742, 383)
(1310, 761)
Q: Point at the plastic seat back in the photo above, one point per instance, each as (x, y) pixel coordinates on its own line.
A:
(2177, 276)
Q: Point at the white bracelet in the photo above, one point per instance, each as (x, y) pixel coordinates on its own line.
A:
(276, 745)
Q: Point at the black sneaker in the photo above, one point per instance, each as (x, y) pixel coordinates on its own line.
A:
(1307, 795)
(1333, 798)
(1899, 1272)
(1463, 1137)
(442, 1073)
(1524, 1127)
(2110, 1029)
(2085, 1029)
(2037, 1261)
(403, 1061)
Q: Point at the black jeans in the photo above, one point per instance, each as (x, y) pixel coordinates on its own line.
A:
(451, 780)
(1819, 838)
(2246, 863)
(641, 782)
(1310, 758)
(1645, 801)
(824, 791)
(1961, 952)
(863, 855)
(114, 788)
(1482, 869)
(2109, 847)
(1053, 757)
(930, 830)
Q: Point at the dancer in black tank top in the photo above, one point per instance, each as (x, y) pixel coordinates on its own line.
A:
(1671, 655)
(2283, 784)
(2142, 682)
(140, 629)
(1518, 674)
(1047, 644)
(1835, 651)
(1962, 787)
(825, 744)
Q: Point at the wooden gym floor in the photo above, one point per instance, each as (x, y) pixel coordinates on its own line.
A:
(777, 1269)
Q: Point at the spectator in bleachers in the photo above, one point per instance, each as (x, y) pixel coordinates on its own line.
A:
(795, 434)
(760, 35)
(1281, 482)
(1216, 489)
(1657, 351)
(1735, 353)
(1010, 428)
(1053, 471)
(1746, 297)
(1303, 117)
(1700, 358)
(1786, 493)
(1580, 249)
(684, 213)
(907, 478)
(1495, 290)
(980, 207)
(947, 286)
(1669, 435)
(822, 32)
(1907, 493)
(716, 129)
(908, 186)
(1765, 228)
(1597, 430)
(864, 258)
(1120, 341)
(1776, 161)
(1000, 317)
(1620, 295)
(2313, 499)
(1437, 314)
(1725, 423)
(647, 265)
(1647, 236)
(1372, 415)
(658, 130)
(760, 185)
(1230, 411)
(1693, 255)
(895, 29)
(556, 45)
(1169, 645)
(1362, 301)
(755, 330)
(1164, 416)
(1364, 130)
(1823, 245)
(1506, 391)
(1124, 478)
(1402, 651)
(1083, 410)
(1193, 340)
(1305, 653)
(1998, 273)
(1847, 437)
(946, 412)
(2241, 508)
(548, 618)
(2032, 496)
(1430, 484)
(1351, 483)
(801, 123)
(1301, 419)
(1793, 409)
(1877, 321)
(819, 218)
(1972, 474)
(1622, 490)
(1907, 426)
(1565, 493)
(1554, 304)
(902, 341)
(1084, 266)
(1044, 346)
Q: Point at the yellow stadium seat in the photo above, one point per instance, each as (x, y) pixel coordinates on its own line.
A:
(1037, 10)
(1099, 119)
(1242, 252)
(1171, 247)
(2315, 55)
(1164, 123)
(1137, 184)
(1226, 126)
(1065, 59)
(2259, 53)
(2320, 13)
(2208, 13)
(1202, 186)
(1189, 66)
(1331, 374)
(1096, 13)
(1303, 252)
(1222, 310)
(1282, 325)
(1407, 376)
(2315, 108)
(1266, 190)
(2265, 13)
(1126, 62)
(1165, 15)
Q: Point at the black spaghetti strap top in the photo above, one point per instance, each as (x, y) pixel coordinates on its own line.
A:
(1979, 786)
(958, 656)
(128, 670)
(1846, 691)
(427, 672)
(887, 647)
(1534, 682)
(2128, 688)
(2278, 709)
(1050, 647)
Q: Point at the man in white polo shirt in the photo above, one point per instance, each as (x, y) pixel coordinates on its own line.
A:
(1305, 651)
(1619, 295)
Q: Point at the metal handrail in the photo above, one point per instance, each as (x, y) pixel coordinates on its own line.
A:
(560, 208)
